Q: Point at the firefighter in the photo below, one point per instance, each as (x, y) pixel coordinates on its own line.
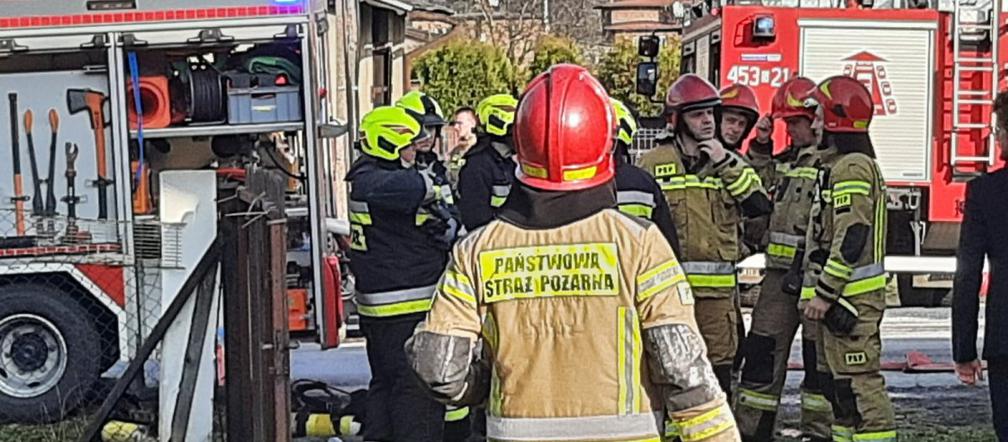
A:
(427, 111)
(791, 178)
(845, 281)
(486, 177)
(397, 254)
(637, 193)
(739, 112)
(710, 191)
(566, 293)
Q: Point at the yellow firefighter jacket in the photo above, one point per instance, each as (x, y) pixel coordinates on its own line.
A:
(561, 313)
(706, 205)
(791, 185)
(847, 230)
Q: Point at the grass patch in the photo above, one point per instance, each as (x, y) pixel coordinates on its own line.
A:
(65, 431)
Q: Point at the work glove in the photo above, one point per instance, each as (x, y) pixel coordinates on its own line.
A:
(841, 318)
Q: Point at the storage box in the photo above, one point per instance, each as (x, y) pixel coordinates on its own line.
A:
(254, 99)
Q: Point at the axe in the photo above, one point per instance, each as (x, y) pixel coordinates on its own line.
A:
(79, 100)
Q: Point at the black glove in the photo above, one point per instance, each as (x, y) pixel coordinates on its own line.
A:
(442, 226)
(841, 318)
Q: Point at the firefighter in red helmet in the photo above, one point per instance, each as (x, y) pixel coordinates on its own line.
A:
(844, 282)
(562, 282)
(739, 112)
(710, 190)
(791, 177)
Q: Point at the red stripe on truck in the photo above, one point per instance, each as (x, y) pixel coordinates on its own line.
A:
(147, 16)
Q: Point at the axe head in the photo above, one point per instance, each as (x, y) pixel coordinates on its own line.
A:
(84, 99)
(79, 100)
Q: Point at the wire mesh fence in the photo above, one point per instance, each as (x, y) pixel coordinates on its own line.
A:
(78, 298)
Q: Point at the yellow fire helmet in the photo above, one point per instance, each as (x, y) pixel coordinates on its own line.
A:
(387, 130)
(497, 113)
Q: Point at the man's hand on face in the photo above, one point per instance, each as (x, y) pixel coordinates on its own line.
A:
(764, 128)
(714, 149)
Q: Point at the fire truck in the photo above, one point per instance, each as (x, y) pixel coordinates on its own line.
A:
(120, 119)
(933, 70)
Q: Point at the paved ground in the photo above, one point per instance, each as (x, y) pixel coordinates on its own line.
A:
(930, 407)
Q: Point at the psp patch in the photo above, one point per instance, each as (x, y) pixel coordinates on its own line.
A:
(856, 358)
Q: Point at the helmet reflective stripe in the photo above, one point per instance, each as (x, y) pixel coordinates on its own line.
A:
(387, 130)
(496, 113)
(627, 124)
(422, 107)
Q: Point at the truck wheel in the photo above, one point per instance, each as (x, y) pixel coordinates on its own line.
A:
(50, 354)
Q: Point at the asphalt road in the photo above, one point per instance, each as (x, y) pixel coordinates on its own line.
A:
(933, 403)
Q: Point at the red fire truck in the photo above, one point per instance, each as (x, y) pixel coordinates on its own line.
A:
(96, 244)
(933, 71)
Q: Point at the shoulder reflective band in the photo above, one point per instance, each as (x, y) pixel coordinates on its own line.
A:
(359, 213)
(815, 402)
(456, 284)
(880, 436)
(838, 269)
(689, 182)
(704, 426)
(498, 195)
(455, 414)
(628, 361)
(635, 427)
(756, 400)
(851, 187)
(655, 280)
(809, 173)
(842, 433)
(710, 273)
(635, 203)
(591, 269)
(396, 302)
(745, 181)
(638, 210)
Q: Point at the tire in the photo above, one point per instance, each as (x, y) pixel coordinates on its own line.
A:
(43, 386)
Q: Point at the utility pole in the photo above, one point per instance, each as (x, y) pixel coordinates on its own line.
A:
(546, 22)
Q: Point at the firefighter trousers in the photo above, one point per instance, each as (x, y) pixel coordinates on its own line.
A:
(765, 353)
(855, 387)
(718, 320)
(398, 409)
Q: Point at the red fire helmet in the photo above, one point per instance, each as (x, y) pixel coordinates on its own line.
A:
(740, 97)
(846, 104)
(688, 93)
(564, 131)
(787, 100)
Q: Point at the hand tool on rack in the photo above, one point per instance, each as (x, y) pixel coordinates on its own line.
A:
(19, 198)
(36, 198)
(73, 234)
(50, 204)
(79, 100)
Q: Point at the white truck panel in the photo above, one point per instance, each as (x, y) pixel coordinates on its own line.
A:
(896, 63)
